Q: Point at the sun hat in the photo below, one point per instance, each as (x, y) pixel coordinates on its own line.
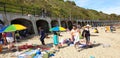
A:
(87, 25)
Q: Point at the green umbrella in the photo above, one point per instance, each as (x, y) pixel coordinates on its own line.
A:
(10, 28)
(14, 27)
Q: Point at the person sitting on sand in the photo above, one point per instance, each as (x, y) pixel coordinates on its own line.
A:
(10, 39)
(96, 30)
(75, 33)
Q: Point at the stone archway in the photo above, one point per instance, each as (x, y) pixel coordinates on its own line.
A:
(1, 22)
(63, 24)
(88, 22)
(96, 24)
(70, 25)
(26, 23)
(83, 24)
(1, 26)
(79, 23)
(43, 24)
(92, 23)
(74, 23)
(54, 23)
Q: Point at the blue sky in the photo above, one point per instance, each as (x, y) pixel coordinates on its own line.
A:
(106, 6)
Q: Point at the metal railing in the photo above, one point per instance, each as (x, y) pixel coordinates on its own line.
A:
(7, 7)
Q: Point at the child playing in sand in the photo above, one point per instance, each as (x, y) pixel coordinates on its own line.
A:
(55, 40)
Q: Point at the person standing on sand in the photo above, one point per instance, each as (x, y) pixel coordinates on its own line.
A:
(42, 35)
(75, 34)
(111, 28)
(86, 34)
(55, 40)
(105, 29)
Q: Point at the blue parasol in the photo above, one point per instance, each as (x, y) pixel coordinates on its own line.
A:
(2, 29)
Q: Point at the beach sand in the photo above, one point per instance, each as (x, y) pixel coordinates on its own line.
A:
(106, 45)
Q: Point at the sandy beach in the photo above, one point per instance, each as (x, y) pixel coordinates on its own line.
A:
(106, 45)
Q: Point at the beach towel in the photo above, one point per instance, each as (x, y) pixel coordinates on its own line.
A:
(76, 38)
(28, 53)
(9, 39)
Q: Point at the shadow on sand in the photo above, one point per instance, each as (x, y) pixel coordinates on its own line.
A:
(50, 45)
(5, 50)
(96, 45)
(113, 32)
(94, 35)
(92, 46)
(25, 39)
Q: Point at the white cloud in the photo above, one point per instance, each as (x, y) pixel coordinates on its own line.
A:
(111, 10)
(82, 2)
(106, 6)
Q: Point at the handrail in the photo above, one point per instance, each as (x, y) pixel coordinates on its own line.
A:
(7, 7)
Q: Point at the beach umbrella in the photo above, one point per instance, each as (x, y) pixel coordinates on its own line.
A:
(19, 27)
(57, 28)
(3, 28)
(14, 27)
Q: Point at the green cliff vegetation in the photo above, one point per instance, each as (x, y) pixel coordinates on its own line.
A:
(54, 8)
